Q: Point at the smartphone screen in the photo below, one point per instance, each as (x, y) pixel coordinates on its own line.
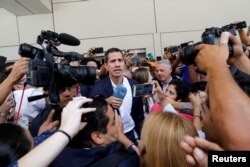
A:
(143, 90)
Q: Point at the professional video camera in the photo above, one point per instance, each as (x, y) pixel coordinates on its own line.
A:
(42, 69)
(209, 36)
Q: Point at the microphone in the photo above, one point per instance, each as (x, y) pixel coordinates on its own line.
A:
(120, 92)
(68, 39)
(37, 97)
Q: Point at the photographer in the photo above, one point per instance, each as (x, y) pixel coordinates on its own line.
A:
(227, 104)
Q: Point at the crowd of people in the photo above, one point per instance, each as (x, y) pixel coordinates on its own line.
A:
(189, 113)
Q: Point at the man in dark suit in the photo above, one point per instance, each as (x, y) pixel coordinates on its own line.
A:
(130, 108)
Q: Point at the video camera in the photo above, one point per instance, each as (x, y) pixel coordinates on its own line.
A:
(209, 36)
(42, 69)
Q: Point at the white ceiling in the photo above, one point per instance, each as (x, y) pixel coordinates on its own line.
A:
(26, 7)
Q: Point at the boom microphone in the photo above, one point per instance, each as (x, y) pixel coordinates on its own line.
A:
(120, 92)
(68, 39)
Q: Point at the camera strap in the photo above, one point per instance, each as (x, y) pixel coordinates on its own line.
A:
(53, 91)
(21, 101)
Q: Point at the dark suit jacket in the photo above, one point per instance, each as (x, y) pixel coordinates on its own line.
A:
(104, 87)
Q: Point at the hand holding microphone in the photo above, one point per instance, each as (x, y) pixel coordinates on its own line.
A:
(118, 96)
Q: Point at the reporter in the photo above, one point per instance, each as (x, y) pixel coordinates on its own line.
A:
(227, 104)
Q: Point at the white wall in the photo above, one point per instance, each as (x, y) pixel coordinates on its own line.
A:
(150, 24)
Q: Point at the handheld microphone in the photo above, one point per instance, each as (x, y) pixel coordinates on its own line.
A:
(37, 97)
(68, 39)
(120, 92)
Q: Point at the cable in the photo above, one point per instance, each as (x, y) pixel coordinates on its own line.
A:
(21, 101)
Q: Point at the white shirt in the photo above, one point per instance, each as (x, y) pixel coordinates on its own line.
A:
(165, 85)
(126, 106)
(29, 109)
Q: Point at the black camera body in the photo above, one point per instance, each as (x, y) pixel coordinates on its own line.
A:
(209, 36)
(39, 74)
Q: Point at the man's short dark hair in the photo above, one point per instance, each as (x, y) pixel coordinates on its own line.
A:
(98, 123)
(111, 50)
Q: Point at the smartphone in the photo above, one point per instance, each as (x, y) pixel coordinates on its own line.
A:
(143, 89)
(198, 86)
(98, 50)
(158, 58)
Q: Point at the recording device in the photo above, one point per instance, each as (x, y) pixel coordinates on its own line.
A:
(143, 89)
(198, 86)
(209, 36)
(158, 58)
(58, 39)
(98, 50)
(42, 69)
(120, 92)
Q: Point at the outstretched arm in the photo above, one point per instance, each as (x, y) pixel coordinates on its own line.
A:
(70, 124)
(229, 105)
(17, 72)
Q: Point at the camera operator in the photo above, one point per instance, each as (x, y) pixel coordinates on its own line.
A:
(227, 104)
(64, 85)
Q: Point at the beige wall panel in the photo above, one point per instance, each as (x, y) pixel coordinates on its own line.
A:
(123, 42)
(8, 29)
(183, 15)
(30, 26)
(99, 18)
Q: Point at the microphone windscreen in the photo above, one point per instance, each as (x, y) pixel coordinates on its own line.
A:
(68, 39)
(120, 92)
